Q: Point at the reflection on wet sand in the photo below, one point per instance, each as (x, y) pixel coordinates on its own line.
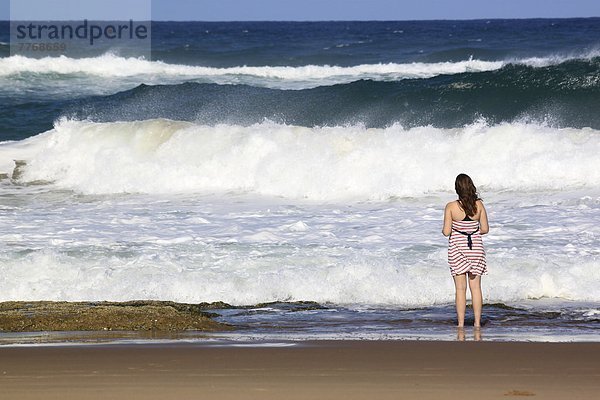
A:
(461, 335)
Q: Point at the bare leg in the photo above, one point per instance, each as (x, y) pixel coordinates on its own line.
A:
(475, 286)
(460, 282)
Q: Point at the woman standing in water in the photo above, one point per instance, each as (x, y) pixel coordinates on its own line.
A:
(465, 220)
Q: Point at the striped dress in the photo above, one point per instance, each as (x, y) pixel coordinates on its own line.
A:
(466, 255)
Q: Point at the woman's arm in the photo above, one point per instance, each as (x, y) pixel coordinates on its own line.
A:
(447, 229)
(483, 219)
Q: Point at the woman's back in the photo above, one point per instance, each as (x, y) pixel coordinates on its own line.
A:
(457, 213)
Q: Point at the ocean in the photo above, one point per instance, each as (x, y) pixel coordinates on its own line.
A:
(298, 172)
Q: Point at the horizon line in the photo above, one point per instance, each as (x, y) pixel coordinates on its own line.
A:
(321, 20)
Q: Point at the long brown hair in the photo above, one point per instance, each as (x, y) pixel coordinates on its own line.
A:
(467, 194)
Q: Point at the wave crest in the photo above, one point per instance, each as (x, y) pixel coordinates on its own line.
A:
(307, 76)
(322, 163)
(299, 77)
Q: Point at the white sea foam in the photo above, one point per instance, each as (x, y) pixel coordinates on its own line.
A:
(138, 70)
(540, 62)
(110, 73)
(323, 164)
(111, 65)
(221, 212)
(50, 275)
(144, 71)
(106, 250)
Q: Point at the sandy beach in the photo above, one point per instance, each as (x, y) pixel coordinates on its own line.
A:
(311, 370)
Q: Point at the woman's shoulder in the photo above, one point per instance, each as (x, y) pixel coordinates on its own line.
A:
(453, 203)
(480, 206)
(452, 206)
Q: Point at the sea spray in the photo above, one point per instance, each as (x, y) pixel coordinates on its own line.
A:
(321, 164)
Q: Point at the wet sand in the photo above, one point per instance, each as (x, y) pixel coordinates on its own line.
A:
(311, 370)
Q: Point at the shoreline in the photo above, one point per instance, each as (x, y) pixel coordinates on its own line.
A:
(315, 369)
(49, 323)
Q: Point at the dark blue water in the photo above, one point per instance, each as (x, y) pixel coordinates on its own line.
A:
(549, 72)
(352, 43)
(224, 44)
